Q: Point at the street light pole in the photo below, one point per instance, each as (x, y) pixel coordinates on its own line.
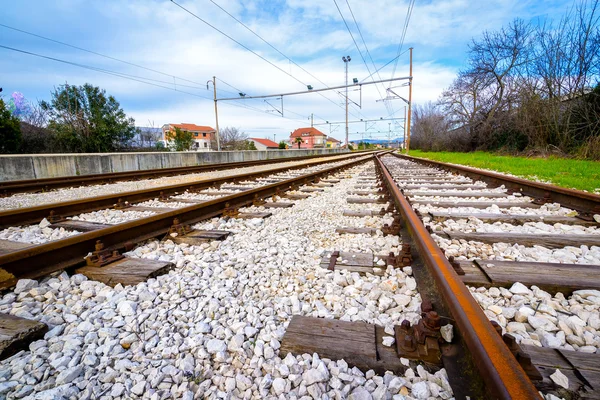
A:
(346, 61)
(214, 82)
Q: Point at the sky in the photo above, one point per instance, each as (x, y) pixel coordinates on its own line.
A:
(155, 57)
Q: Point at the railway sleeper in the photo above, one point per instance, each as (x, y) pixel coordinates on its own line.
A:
(361, 344)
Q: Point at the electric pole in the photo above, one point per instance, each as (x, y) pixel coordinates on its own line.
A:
(311, 120)
(404, 140)
(410, 85)
(346, 61)
(214, 82)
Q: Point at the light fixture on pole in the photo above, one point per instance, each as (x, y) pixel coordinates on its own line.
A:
(346, 60)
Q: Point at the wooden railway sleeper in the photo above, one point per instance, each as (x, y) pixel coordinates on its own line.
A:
(101, 256)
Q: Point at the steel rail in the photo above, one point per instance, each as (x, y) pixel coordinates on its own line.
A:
(36, 261)
(33, 215)
(45, 184)
(571, 198)
(501, 373)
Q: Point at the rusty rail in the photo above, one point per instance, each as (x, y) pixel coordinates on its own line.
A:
(500, 371)
(37, 261)
(45, 184)
(587, 203)
(33, 215)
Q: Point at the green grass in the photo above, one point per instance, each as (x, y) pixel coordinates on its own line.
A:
(568, 173)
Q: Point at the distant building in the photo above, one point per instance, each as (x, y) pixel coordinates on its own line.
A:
(202, 135)
(332, 143)
(264, 144)
(311, 138)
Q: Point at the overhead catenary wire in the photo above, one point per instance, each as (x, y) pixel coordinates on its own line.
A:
(247, 48)
(411, 4)
(386, 103)
(358, 48)
(113, 73)
(103, 55)
(273, 47)
(102, 70)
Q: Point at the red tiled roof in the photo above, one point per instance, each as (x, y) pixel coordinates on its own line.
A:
(265, 142)
(311, 132)
(332, 139)
(193, 127)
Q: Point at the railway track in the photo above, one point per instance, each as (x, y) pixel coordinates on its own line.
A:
(36, 261)
(477, 226)
(46, 184)
(341, 269)
(32, 215)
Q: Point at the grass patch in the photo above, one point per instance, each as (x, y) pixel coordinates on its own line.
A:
(568, 173)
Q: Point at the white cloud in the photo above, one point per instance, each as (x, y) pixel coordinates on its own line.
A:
(159, 35)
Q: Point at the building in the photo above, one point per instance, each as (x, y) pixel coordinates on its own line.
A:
(264, 144)
(332, 143)
(202, 135)
(310, 138)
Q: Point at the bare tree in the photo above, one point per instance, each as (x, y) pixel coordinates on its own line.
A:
(535, 87)
(232, 139)
(430, 128)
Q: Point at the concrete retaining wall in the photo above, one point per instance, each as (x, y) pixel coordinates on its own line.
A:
(37, 166)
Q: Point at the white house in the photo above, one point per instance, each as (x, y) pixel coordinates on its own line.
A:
(202, 135)
(264, 144)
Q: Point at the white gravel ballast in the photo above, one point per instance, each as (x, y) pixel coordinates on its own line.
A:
(212, 327)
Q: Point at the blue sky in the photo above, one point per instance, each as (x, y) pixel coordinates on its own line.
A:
(160, 36)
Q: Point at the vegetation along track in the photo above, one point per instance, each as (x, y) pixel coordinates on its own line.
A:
(531, 264)
(45, 184)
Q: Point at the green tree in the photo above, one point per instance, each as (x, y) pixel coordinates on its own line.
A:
(10, 131)
(182, 140)
(85, 119)
(282, 145)
(299, 141)
(250, 145)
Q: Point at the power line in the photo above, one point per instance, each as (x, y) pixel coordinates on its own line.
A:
(387, 105)
(113, 73)
(102, 70)
(246, 47)
(270, 45)
(101, 55)
(358, 48)
(386, 64)
(411, 4)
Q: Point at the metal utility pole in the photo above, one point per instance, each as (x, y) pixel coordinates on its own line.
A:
(410, 86)
(311, 120)
(390, 135)
(404, 141)
(214, 82)
(346, 61)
